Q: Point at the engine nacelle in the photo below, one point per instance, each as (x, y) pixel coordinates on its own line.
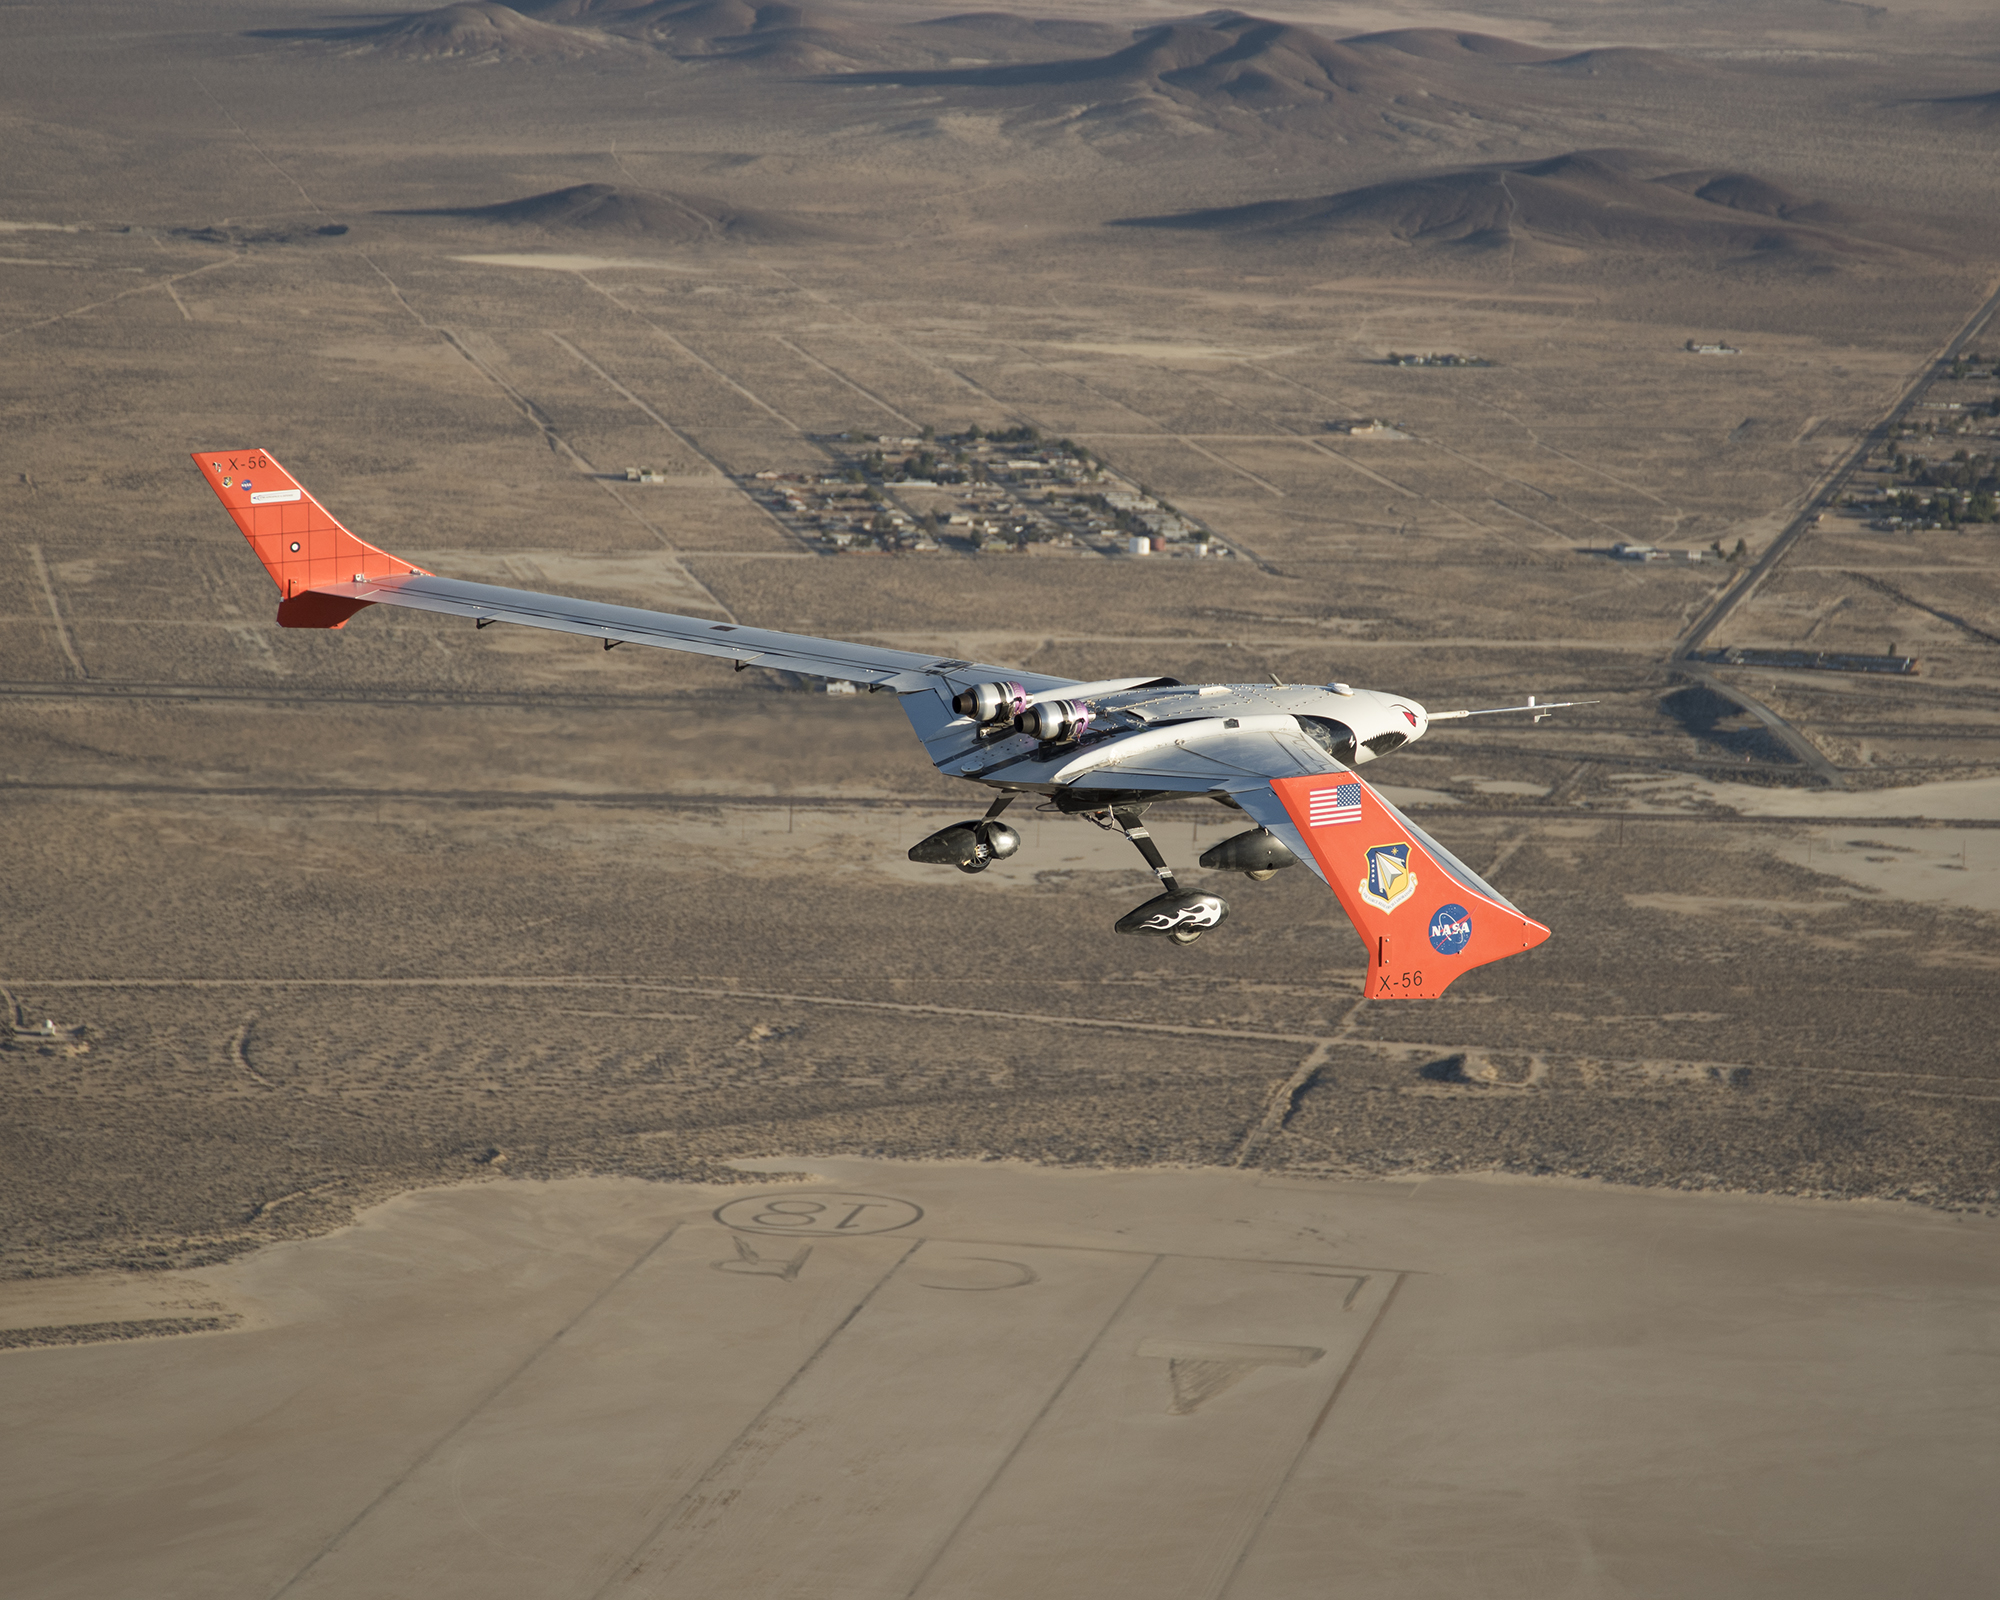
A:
(1055, 721)
(991, 702)
(1257, 854)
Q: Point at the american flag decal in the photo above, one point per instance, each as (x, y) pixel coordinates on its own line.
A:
(1342, 803)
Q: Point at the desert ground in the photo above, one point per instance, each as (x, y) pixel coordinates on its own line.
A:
(939, 1378)
(294, 923)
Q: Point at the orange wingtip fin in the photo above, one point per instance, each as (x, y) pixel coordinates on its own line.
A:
(1423, 924)
(302, 545)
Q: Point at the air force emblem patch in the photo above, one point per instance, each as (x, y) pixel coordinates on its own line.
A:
(1390, 881)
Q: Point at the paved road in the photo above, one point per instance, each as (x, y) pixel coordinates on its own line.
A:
(1808, 753)
(1832, 485)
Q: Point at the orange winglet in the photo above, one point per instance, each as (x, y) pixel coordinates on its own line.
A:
(302, 545)
(1423, 924)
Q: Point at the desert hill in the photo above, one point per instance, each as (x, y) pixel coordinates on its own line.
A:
(1739, 191)
(608, 210)
(1225, 71)
(1620, 61)
(1194, 55)
(782, 35)
(1964, 108)
(774, 34)
(1448, 47)
(778, 34)
(1008, 34)
(594, 12)
(1445, 44)
(473, 30)
(1587, 198)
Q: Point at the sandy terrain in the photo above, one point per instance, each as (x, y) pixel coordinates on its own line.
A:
(884, 1379)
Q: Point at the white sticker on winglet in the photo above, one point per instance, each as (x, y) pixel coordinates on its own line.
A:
(272, 497)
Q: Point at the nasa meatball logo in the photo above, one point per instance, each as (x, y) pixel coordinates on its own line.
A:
(1451, 929)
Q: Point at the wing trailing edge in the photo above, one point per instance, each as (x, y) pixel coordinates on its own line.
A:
(325, 574)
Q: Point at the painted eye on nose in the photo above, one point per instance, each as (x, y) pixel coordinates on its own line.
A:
(295, 547)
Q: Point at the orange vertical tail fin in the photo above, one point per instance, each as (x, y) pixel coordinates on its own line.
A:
(301, 543)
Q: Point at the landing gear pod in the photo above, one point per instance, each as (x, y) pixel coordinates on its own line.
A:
(968, 846)
(1055, 721)
(1258, 855)
(1182, 918)
(991, 702)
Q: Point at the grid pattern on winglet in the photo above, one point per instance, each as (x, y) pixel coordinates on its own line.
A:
(275, 514)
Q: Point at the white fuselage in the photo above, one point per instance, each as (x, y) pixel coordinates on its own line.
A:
(1352, 725)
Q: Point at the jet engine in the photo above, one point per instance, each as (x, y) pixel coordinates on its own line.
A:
(1055, 721)
(1258, 855)
(991, 702)
(968, 846)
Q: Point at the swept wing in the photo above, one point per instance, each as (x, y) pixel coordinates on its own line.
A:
(1422, 914)
(326, 574)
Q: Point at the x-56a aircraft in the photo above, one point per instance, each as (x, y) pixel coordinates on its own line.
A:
(1282, 756)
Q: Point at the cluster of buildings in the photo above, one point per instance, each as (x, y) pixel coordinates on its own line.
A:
(1447, 359)
(1005, 493)
(1941, 469)
(1813, 661)
(1625, 551)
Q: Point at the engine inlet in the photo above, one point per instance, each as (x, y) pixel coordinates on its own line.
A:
(1055, 721)
(991, 702)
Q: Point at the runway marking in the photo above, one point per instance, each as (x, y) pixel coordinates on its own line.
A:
(1312, 1433)
(736, 1446)
(1278, 1318)
(820, 1213)
(1034, 1422)
(478, 1406)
